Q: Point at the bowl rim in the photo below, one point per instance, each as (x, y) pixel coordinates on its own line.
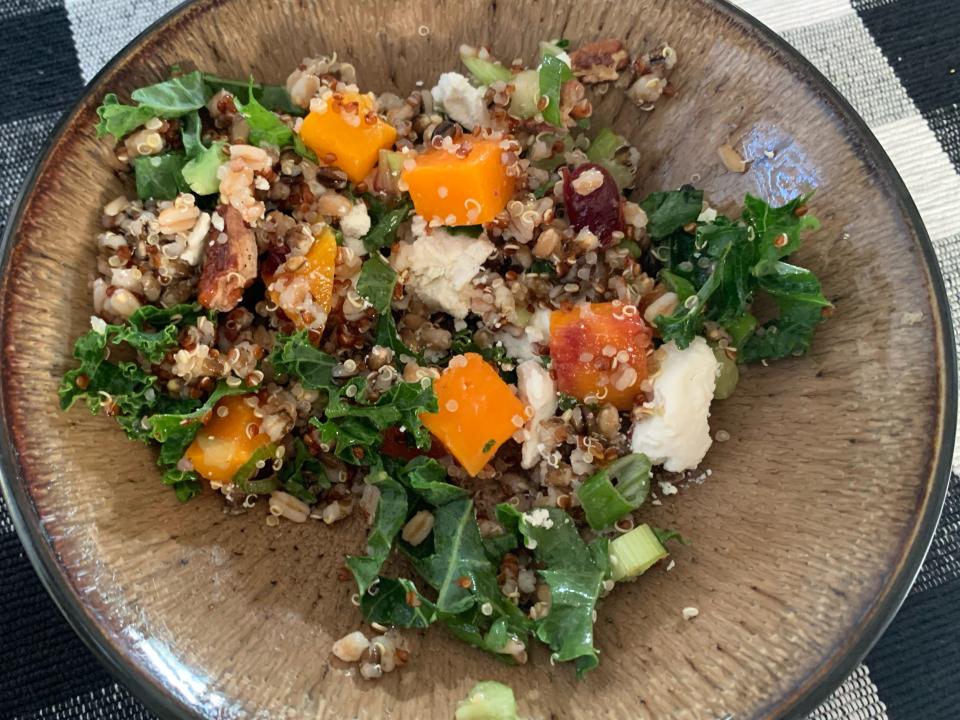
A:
(804, 697)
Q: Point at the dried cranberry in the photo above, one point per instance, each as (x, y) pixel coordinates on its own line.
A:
(600, 209)
(272, 259)
(397, 444)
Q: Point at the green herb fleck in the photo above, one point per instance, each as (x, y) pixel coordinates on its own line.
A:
(385, 222)
(160, 177)
(376, 282)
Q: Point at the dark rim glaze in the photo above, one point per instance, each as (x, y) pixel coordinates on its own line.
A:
(810, 692)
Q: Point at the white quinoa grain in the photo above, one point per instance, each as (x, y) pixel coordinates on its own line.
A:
(351, 646)
(418, 528)
(689, 613)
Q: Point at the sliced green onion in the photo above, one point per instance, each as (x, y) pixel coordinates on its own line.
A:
(551, 48)
(741, 329)
(554, 72)
(632, 247)
(603, 502)
(613, 153)
(557, 159)
(242, 478)
(680, 285)
(389, 167)
(634, 553)
(488, 700)
(526, 94)
(728, 377)
(486, 72)
(605, 145)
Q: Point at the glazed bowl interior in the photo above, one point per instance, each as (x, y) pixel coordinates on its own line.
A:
(804, 536)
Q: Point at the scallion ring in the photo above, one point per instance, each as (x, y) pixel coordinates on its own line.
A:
(614, 491)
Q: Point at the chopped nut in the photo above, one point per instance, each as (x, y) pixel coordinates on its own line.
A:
(731, 159)
(547, 243)
(351, 646)
(663, 305)
(608, 421)
(286, 505)
(418, 527)
(337, 510)
(647, 89)
(229, 266)
(599, 61)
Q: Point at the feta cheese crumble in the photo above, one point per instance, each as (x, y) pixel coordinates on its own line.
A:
(667, 487)
(677, 434)
(538, 329)
(537, 392)
(354, 225)
(462, 101)
(99, 325)
(441, 268)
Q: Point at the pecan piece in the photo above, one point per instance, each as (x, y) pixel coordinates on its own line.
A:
(573, 101)
(599, 61)
(230, 264)
(658, 62)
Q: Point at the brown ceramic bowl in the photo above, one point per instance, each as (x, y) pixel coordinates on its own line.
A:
(806, 536)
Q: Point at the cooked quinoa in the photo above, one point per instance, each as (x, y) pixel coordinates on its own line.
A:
(445, 311)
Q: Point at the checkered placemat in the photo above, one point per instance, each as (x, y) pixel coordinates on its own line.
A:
(897, 61)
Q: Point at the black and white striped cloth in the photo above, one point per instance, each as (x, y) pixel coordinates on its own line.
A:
(897, 61)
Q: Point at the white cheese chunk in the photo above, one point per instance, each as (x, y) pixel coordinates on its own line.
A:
(537, 392)
(518, 348)
(441, 268)
(197, 238)
(461, 101)
(677, 434)
(356, 223)
(538, 329)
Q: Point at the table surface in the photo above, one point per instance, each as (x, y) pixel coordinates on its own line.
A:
(897, 61)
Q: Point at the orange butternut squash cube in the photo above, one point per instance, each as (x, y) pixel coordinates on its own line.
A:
(348, 134)
(598, 352)
(303, 285)
(468, 190)
(227, 440)
(478, 411)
